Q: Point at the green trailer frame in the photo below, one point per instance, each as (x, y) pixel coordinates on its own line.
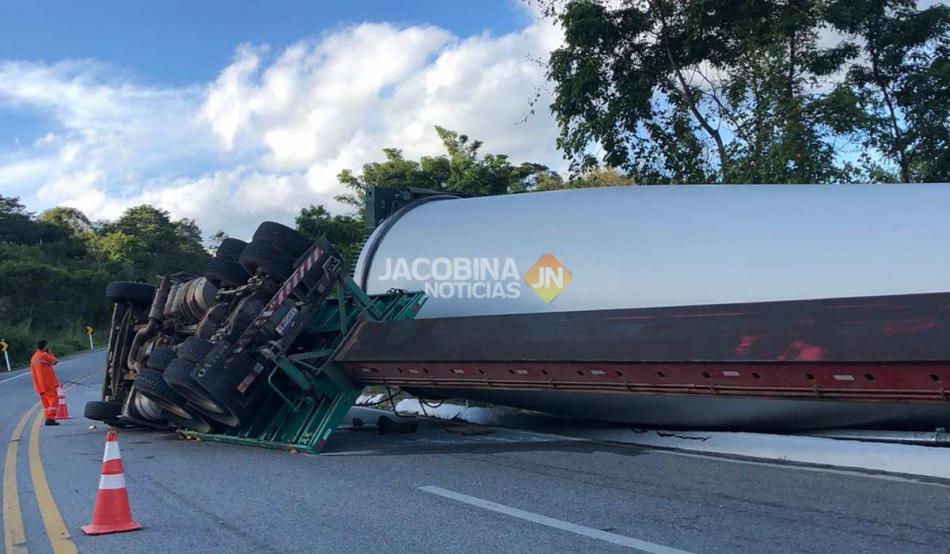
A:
(308, 394)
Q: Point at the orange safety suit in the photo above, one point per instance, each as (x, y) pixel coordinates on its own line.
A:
(45, 382)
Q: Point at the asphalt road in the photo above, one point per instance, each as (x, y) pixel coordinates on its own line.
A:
(435, 491)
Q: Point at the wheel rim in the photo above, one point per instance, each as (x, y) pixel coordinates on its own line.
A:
(171, 407)
(195, 422)
(147, 408)
(200, 400)
(208, 404)
(226, 418)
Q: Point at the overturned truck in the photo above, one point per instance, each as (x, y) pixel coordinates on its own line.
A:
(778, 308)
(243, 353)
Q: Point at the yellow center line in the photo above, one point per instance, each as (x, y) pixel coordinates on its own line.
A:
(55, 526)
(14, 534)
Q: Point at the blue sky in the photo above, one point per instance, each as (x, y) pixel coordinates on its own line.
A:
(177, 42)
(234, 112)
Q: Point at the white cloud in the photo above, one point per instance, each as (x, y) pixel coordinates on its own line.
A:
(106, 134)
(269, 135)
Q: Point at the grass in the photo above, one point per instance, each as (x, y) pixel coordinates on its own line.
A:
(68, 339)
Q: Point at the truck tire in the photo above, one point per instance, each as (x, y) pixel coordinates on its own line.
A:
(143, 409)
(194, 349)
(265, 257)
(226, 272)
(216, 418)
(106, 412)
(178, 376)
(129, 292)
(151, 384)
(159, 358)
(194, 421)
(286, 239)
(230, 249)
(224, 403)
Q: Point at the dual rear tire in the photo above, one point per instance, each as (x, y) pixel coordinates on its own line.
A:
(223, 269)
(150, 383)
(274, 250)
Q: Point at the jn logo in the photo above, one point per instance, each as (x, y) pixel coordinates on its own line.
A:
(547, 277)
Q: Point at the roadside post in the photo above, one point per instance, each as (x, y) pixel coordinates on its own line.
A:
(89, 332)
(4, 345)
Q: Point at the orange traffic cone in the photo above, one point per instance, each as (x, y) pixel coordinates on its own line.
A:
(62, 410)
(111, 513)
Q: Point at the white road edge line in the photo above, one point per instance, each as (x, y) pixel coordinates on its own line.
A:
(590, 532)
(800, 466)
(25, 373)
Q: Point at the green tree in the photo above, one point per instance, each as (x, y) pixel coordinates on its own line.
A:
(215, 240)
(54, 268)
(896, 96)
(589, 178)
(119, 248)
(16, 224)
(473, 174)
(344, 231)
(69, 218)
(738, 90)
(396, 171)
(463, 169)
(46, 296)
(164, 246)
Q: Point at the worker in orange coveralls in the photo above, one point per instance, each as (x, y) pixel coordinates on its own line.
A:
(45, 381)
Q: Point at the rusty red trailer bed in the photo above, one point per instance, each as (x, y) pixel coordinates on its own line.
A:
(880, 361)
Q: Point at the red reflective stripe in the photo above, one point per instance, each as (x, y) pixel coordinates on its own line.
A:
(247, 382)
(112, 467)
(271, 306)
